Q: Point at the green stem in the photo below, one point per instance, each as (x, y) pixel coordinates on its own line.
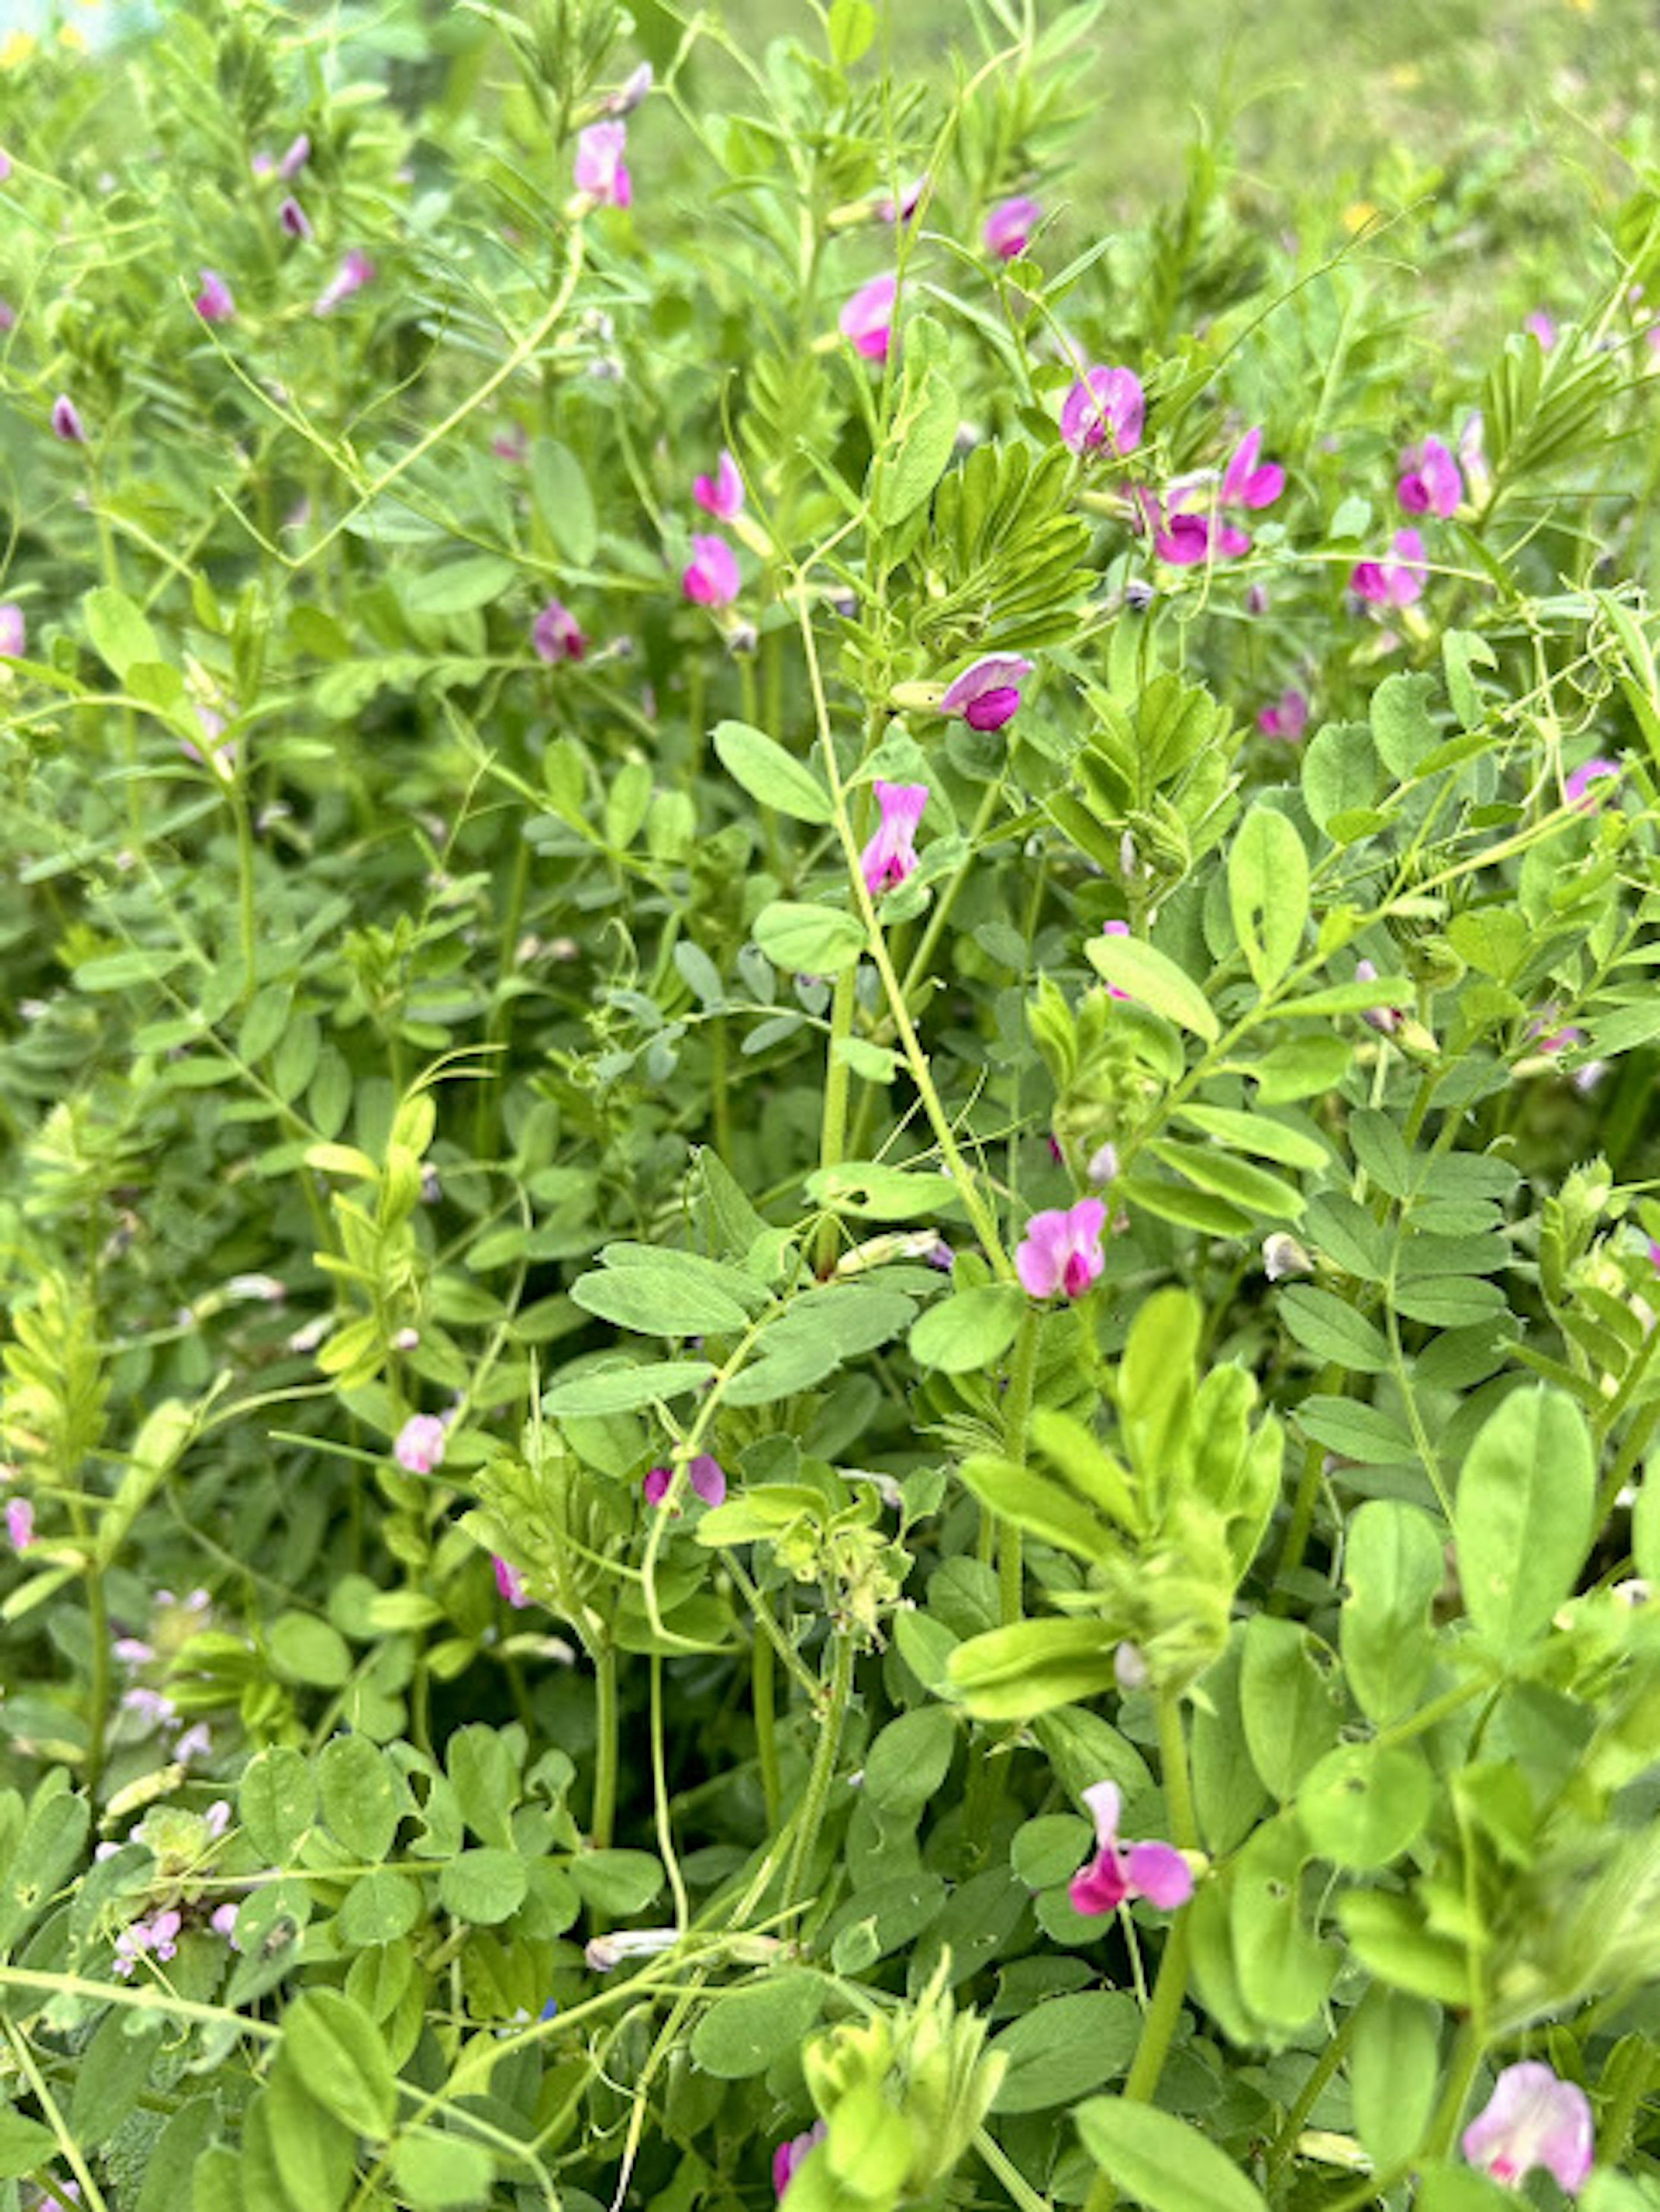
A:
(1466, 2057)
(1178, 1787)
(824, 1770)
(833, 1128)
(1302, 1511)
(605, 1747)
(763, 1697)
(245, 890)
(1280, 2151)
(1017, 1418)
(98, 1693)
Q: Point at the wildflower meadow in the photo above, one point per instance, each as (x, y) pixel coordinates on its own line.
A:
(829, 1199)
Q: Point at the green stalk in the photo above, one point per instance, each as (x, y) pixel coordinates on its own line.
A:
(763, 1697)
(1022, 1385)
(1280, 2150)
(98, 1692)
(605, 1747)
(833, 1128)
(824, 1770)
(1466, 2057)
(244, 888)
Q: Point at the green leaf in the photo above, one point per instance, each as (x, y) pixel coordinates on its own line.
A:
(616, 1883)
(120, 635)
(852, 28)
(1354, 1432)
(1160, 2160)
(314, 2154)
(1392, 1943)
(970, 1331)
(276, 1803)
(53, 1839)
(1226, 1177)
(1227, 1791)
(1259, 1133)
(1291, 1708)
(1301, 1067)
(1394, 1567)
(306, 1651)
(1339, 773)
(740, 2034)
(1153, 979)
(1267, 892)
(770, 774)
(360, 1794)
(875, 1193)
(920, 442)
(484, 1775)
(1050, 1849)
(1285, 1971)
(458, 587)
(809, 940)
(1330, 1329)
(564, 505)
(1014, 1673)
(1402, 724)
(660, 1300)
(1366, 1803)
(380, 1908)
(25, 2145)
(485, 1886)
(1395, 2064)
(909, 1759)
(338, 2053)
(1062, 2049)
(435, 2172)
(613, 1390)
(882, 1919)
(1521, 1521)
(1014, 1493)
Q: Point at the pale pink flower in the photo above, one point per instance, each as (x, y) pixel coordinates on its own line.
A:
(787, 2160)
(223, 1921)
(1429, 482)
(213, 302)
(601, 170)
(510, 1583)
(1061, 1251)
(356, 270)
(988, 692)
(890, 855)
(66, 422)
(293, 219)
(1115, 929)
(1576, 790)
(866, 320)
(1533, 2119)
(905, 208)
(1393, 583)
(1009, 226)
(1248, 481)
(296, 159)
(1154, 1870)
(19, 1523)
(1105, 407)
(1542, 326)
(556, 635)
(704, 1473)
(1386, 1020)
(157, 1937)
(1288, 717)
(8, 317)
(14, 633)
(721, 494)
(629, 94)
(5, 165)
(711, 578)
(420, 1444)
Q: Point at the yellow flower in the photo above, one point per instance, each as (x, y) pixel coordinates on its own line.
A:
(15, 47)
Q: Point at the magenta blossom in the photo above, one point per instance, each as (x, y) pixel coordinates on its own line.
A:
(1429, 482)
(711, 578)
(1183, 539)
(5, 165)
(1115, 929)
(988, 693)
(1156, 1871)
(1061, 1251)
(1105, 407)
(1542, 326)
(1247, 480)
(293, 219)
(296, 159)
(905, 207)
(788, 2158)
(1010, 224)
(1533, 2119)
(601, 172)
(356, 270)
(866, 320)
(14, 634)
(1577, 790)
(420, 1444)
(721, 494)
(555, 635)
(8, 317)
(1393, 583)
(66, 422)
(213, 302)
(509, 1581)
(1287, 718)
(890, 855)
(704, 1473)
(19, 1523)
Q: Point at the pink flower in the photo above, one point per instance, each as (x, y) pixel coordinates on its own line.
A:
(293, 219)
(1429, 482)
(1577, 790)
(1542, 326)
(711, 578)
(66, 422)
(5, 165)
(19, 1523)
(788, 2158)
(1115, 929)
(13, 634)
(1287, 718)
(629, 94)
(510, 1583)
(1156, 1871)
(1185, 539)
(890, 855)
(704, 1473)
(1010, 225)
(555, 635)
(356, 270)
(1061, 1251)
(988, 692)
(1245, 481)
(296, 159)
(213, 302)
(223, 1921)
(1105, 407)
(8, 317)
(419, 1445)
(158, 1937)
(1533, 2119)
(721, 494)
(866, 320)
(906, 206)
(1386, 1020)
(1395, 583)
(601, 172)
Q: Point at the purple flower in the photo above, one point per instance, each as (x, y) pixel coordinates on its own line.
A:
(988, 693)
(419, 1445)
(223, 1921)
(1115, 929)
(1393, 583)
(296, 159)
(601, 172)
(1105, 407)
(1577, 789)
(8, 317)
(1533, 2119)
(19, 1523)
(1010, 224)
(356, 270)
(510, 1583)
(788, 2158)
(66, 422)
(213, 302)
(1061, 1251)
(555, 635)
(1156, 1871)
(866, 320)
(629, 94)
(721, 494)
(158, 1937)
(1429, 482)
(1386, 1020)
(711, 578)
(890, 855)
(1542, 326)
(5, 165)
(14, 634)
(704, 1473)
(294, 218)
(902, 209)
(1183, 539)
(1287, 718)
(1247, 482)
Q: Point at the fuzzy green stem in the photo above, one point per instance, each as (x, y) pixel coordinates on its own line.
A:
(98, 1692)
(245, 891)
(1280, 2151)
(763, 1698)
(833, 1128)
(605, 1747)
(1022, 1378)
(824, 1770)
(1466, 2057)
